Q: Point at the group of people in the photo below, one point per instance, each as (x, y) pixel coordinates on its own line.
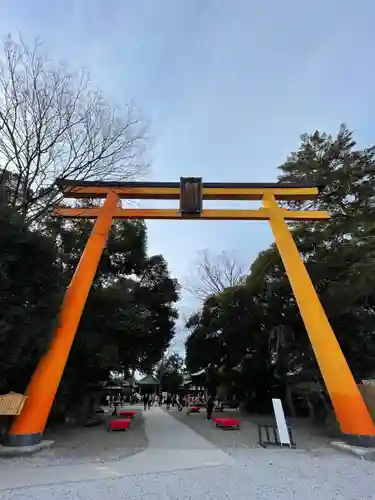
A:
(169, 400)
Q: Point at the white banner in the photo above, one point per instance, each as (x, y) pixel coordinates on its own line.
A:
(281, 422)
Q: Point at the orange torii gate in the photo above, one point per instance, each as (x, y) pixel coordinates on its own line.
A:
(350, 408)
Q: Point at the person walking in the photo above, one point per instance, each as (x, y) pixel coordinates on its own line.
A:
(178, 402)
(145, 401)
(209, 408)
(168, 401)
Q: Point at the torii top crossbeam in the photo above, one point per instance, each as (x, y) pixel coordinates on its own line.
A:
(199, 192)
(171, 190)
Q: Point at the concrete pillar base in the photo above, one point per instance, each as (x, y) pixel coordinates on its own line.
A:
(21, 439)
(20, 451)
(358, 440)
(358, 451)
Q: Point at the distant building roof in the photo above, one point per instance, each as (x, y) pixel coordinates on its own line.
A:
(127, 383)
(148, 380)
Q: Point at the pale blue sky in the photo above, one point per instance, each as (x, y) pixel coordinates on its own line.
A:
(228, 85)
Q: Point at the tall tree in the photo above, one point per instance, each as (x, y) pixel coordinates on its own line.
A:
(170, 373)
(31, 291)
(255, 320)
(340, 252)
(55, 123)
(212, 273)
(129, 318)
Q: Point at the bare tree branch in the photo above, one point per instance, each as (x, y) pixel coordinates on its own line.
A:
(213, 273)
(53, 123)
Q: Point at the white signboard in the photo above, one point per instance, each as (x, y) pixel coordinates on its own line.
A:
(281, 422)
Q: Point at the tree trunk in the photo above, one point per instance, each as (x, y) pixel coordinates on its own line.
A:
(289, 400)
(310, 407)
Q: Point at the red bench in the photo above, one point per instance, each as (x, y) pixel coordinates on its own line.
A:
(193, 409)
(119, 424)
(228, 423)
(128, 413)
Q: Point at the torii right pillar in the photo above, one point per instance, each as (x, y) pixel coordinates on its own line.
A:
(350, 408)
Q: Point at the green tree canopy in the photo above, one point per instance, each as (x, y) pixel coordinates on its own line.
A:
(129, 318)
(170, 373)
(238, 326)
(31, 292)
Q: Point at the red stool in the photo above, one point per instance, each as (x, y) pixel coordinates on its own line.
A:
(128, 413)
(119, 424)
(227, 423)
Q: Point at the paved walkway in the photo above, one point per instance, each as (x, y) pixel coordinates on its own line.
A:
(173, 446)
(166, 433)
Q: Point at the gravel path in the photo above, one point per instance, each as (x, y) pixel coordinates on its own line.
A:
(307, 437)
(257, 474)
(182, 464)
(75, 445)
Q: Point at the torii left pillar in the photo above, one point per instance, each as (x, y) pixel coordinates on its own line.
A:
(28, 427)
